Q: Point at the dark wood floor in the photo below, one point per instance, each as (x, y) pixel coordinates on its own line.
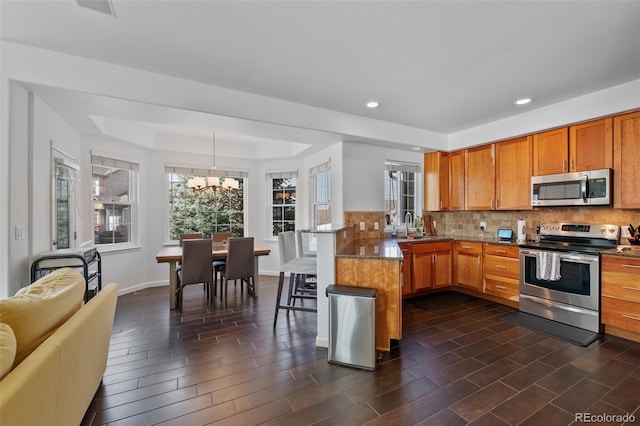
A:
(462, 365)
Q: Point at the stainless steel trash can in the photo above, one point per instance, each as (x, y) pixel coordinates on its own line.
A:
(352, 326)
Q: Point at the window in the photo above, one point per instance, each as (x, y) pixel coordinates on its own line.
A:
(283, 201)
(65, 181)
(321, 194)
(205, 200)
(400, 191)
(114, 185)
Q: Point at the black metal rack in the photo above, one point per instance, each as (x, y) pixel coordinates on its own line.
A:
(45, 264)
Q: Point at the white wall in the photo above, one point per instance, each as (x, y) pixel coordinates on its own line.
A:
(363, 175)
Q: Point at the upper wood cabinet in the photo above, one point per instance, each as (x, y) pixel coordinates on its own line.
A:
(513, 174)
(436, 181)
(551, 152)
(456, 180)
(479, 178)
(591, 145)
(626, 161)
(585, 146)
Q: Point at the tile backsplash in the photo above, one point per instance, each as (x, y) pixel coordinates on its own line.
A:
(467, 223)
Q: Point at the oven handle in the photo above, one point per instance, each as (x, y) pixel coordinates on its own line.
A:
(585, 183)
(567, 257)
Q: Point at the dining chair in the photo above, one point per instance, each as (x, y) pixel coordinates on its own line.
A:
(301, 271)
(218, 265)
(196, 267)
(239, 265)
(187, 236)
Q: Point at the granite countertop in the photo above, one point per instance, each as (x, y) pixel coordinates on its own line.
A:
(435, 238)
(374, 248)
(632, 251)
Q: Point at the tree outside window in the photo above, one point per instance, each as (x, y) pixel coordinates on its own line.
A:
(205, 204)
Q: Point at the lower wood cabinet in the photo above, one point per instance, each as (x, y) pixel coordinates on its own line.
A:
(407, 284)
(621, 294)
(467, 264)
(502, 271)
(431, 265)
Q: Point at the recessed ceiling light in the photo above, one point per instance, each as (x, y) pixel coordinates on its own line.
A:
(523, 101)
(373, 104)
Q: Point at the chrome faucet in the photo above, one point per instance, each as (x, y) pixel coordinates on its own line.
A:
(407, 222)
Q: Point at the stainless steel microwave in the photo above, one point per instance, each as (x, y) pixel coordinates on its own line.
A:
(588, 188)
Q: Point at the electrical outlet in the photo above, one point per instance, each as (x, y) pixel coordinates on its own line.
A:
(376, 225)
(19, 230)
(362, 226)
(483, 226)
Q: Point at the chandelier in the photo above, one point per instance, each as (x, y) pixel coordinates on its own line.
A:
(199, 183)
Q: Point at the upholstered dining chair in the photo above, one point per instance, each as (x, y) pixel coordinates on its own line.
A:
(239, 264)
(196, 267)
(218, 265)
(187, 236)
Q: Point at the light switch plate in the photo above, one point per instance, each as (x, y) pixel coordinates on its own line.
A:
(362, 226)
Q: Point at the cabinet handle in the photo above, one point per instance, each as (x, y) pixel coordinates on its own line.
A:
(501, 251)
(466, 247)
(497, 204)
(501, 266)
(630, 317)
(631, 288)
(564, 165)
(571, 166)
(478, 260)
(501, 287)
(631, 266)
(440, 205)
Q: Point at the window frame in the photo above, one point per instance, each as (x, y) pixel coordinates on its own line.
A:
(64, 168)
(117, 162)
(403, 168)
(322, 171)
(270, 176)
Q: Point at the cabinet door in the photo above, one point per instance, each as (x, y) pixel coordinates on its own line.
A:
(479, 178)
(513, 174)
(591, 145)
(421, 270)
(441, 269)
(468, 270)
(551, 152)
(626, 158)
(436, 181)
(406, 268)
(456, 180)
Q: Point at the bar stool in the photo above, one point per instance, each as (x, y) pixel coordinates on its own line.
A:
(301, 270)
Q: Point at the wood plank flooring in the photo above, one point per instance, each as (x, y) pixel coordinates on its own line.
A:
(225, 365)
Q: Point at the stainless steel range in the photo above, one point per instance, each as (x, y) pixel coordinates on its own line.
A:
(560, 275)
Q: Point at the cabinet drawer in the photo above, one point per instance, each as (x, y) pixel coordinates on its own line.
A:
(468, 247)
(502, 250)
(502, 266)
(621, 314)
(621, 264)
(506, 288)
(430, 247)
(621, 285)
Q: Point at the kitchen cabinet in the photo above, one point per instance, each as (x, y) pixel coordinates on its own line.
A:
(479, 178)
(502, 271)
(436, 181)
(591, 145)
(513, 174)
(621, 295)
(456, 180)
(431, 265)
(467, 265)
(382, 274)
(626, 163)
(551, 152)
(585, 146)
(406, 268)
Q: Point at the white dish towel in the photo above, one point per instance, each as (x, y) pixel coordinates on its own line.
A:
(548, 266)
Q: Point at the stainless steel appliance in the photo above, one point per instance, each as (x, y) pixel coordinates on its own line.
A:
(560, 275)
(586, 188)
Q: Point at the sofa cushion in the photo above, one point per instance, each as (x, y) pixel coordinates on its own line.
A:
(7, 349)
(39, 309)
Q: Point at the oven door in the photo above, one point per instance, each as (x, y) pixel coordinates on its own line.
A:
(578, 285)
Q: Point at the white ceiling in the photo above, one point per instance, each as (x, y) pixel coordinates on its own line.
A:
(441, 66)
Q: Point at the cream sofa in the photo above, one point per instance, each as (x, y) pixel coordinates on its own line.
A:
(53, 350)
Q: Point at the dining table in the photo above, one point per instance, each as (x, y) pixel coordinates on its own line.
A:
(173, 254)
